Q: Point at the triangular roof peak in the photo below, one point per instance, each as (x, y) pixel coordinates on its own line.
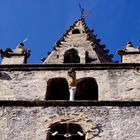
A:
(81, 25)
(81, 39)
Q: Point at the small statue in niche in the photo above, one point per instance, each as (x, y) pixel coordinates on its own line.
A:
(84, 88)
(72, 83)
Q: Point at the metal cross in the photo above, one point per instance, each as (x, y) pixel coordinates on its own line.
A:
(83, 13)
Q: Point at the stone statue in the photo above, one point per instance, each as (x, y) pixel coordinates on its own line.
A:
(72, 83)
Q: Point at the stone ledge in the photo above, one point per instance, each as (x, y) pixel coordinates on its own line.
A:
(39, 67)
(68, 103)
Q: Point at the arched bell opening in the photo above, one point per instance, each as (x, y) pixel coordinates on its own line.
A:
(57, 89)
(65, 131)
(76, 31)
(71, 56)
(86, 89)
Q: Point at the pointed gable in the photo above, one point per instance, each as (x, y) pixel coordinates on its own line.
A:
(78, 45)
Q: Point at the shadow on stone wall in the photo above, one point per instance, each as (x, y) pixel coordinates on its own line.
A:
(95, 132)
(4, 76)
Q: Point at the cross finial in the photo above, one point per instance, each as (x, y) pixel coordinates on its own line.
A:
(81, 10)
(83, 13)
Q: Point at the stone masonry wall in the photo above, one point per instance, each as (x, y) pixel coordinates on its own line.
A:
(102, 123)
(113, 84)
(131, 58)
(14, 60)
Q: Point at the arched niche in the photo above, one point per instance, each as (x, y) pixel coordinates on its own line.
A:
(71, 56)
(86, 89)
(57, 89)
(65, 131)
(76, 31)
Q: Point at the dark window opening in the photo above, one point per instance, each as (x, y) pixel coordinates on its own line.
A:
(66, 131)
(57, 89)
(86, 89)
(89, 59)
(71, 56)
(76, 31)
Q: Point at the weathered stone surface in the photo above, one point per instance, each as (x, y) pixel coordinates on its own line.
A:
(25, 85)
(82, 42)
(131, 58)
(14, 60)
(107, 123)
(129, 54)
(113, 84)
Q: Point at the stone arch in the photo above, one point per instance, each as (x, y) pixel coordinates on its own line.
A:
(65, 131)
(57, 89)
(86, 89)
(76, 31)
(71, 56)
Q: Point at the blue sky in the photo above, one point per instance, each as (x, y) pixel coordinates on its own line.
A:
(44, 21)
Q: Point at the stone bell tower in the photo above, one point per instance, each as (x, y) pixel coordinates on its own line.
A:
(78, 93)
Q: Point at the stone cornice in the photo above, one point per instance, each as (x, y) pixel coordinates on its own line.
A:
(69, 103)
(122, 52)
(48, 67)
